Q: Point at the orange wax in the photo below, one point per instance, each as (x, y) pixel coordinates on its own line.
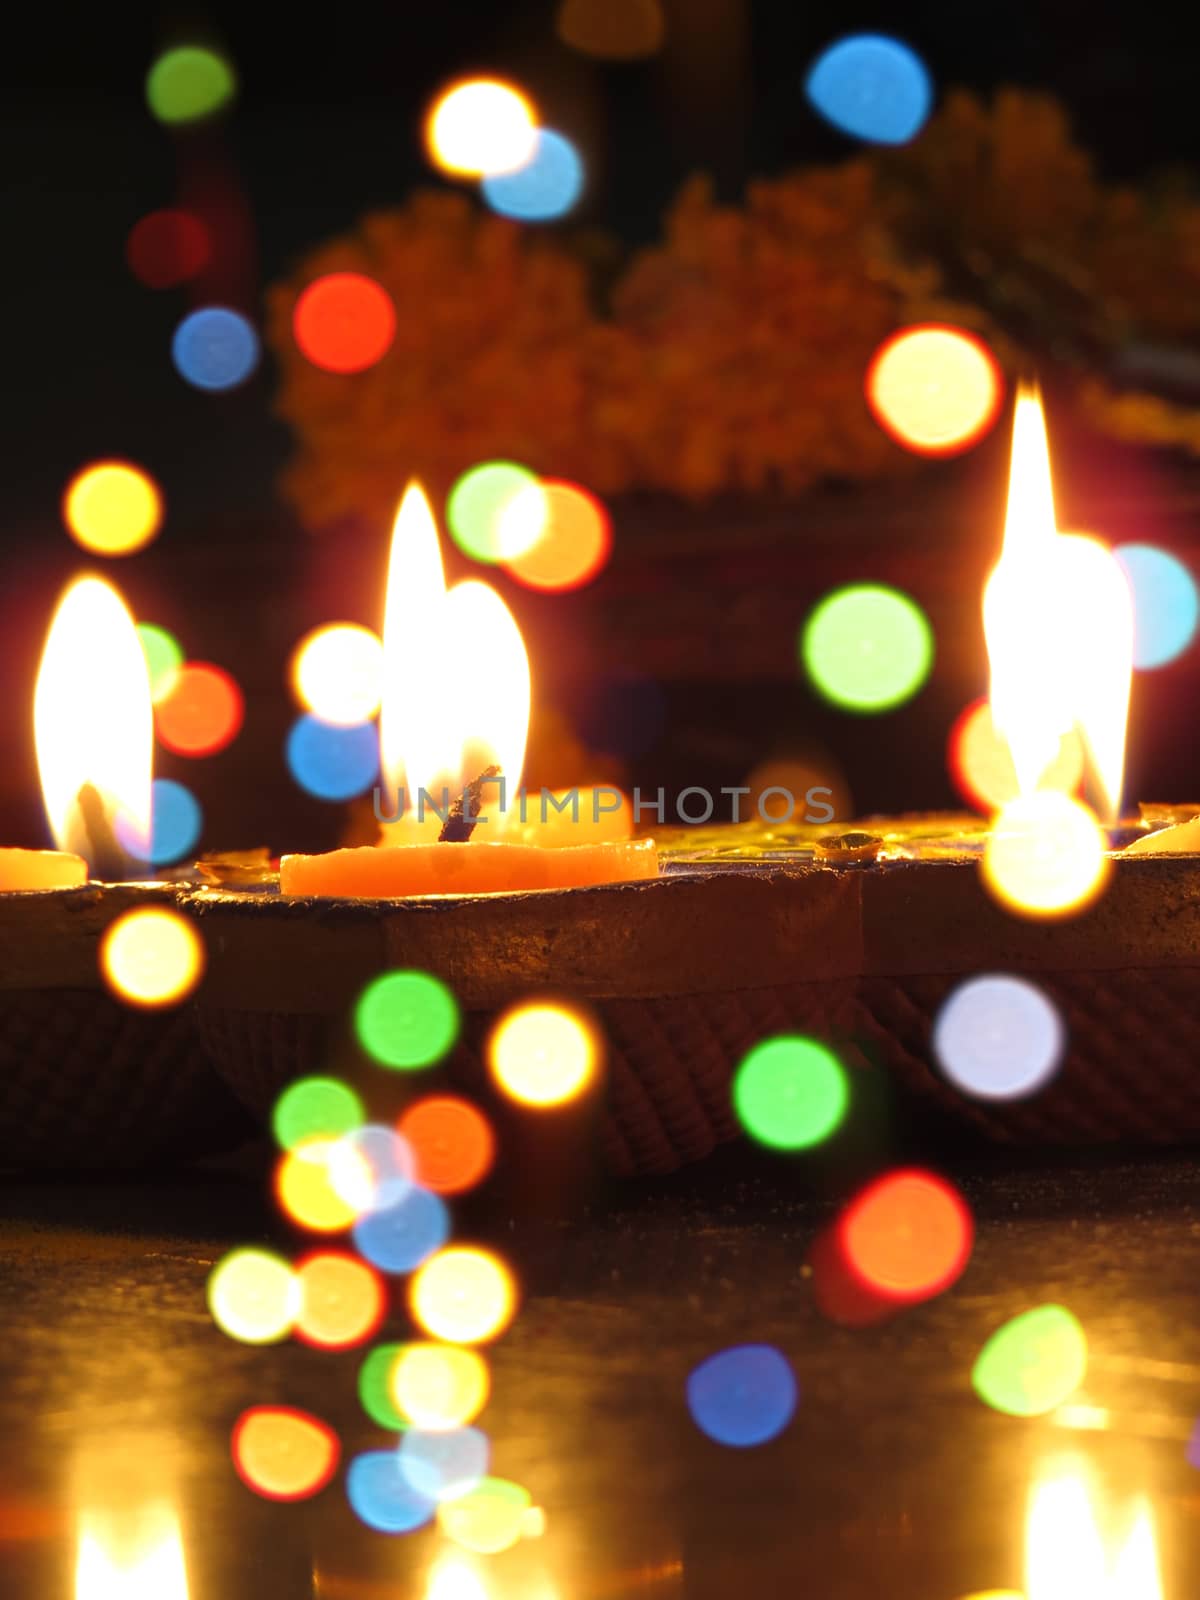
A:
(41, 869)
(390, 871)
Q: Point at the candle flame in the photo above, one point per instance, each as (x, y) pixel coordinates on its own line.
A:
(1064, 1550)
(93, 721)
(135, 1558)
(456, 687)
(1058, 618)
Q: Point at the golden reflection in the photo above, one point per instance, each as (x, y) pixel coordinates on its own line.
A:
(133, 1555)
(1065, 1553)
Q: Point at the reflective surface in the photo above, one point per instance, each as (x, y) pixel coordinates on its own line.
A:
(893, 1479)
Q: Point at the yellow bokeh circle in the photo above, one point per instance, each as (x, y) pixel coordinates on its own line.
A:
(337, 673)
(152, 958)
(1045, 855)
(481, 127)
(440, 1386)
(113, 508)
(543, 1053)
(463, 1295)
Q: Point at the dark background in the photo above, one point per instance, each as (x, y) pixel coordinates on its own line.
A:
(327, 125)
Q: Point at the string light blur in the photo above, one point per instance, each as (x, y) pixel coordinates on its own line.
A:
(189, 83)
(790, 1093)
(872, 88)
(998, 1038)
(315, 1108)
(1166, 605)
(344, 322)
(381, 1496)
(337, 673)
(406, 1020)
(176, 822)
(545, 188)
(543, 1054)
(311, 1187)
(283, 1453)
(1033, 1363)
(152, 957)
(164, 657)
(489, 1519)
(341, 1301)
(451, 1141)
(374, 1167)
(113, 508)
(331, 762)
(981, 762)
(612, 30)
(481, 127)
(1045, 855)
(201, 713)
(565, 536)
(398, 1237)
(935, 390)
(488, 519)
(253, 1296)
(908, 1236)
(375, 1387)
(743, 1396)
(867, 647)
(439, 1386)
(215, 349)
(444, 1465)
(166, 248)
(463, 1295)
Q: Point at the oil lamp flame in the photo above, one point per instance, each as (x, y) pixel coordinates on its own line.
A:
(138, 1558)
(456, 688)
(93, 722)
(1058, 619)
(1065, 1554)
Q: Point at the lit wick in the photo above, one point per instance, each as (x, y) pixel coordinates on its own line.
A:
(464, 813)
(109, 862)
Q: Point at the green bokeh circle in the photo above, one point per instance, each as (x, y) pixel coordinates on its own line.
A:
(867, 647)
(790, 1092)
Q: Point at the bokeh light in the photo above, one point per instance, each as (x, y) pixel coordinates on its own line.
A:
(215, 349)
(311, 1189)
(438, 1386)
(563, 532)
(201, 713)
(164, 657)
(936, 390)
(167, 248)
(381, 1495)
(406, 1020)
(790, 1092)
(396, 1238)
(489, 1519)
(1031, 1364)
(867, 648)
(998, 1037)
(375, 1387)
(872, 87)
(451, 1141)
(981, 762)
(463, 1295)
(337, 673)
(176, 822)
(332, 762)
(1166, 605)
(152, 957)
(253, 1296)
(496, 511)
(189, 83)
(743, 1396)
(342, 1301)
(1044, 855)
(373, 1167)
(613, 30)
(480, 127)
(112, 508)
(283, 1453)
(907, 1236)
(344, 322)
(315, 1108)
(542, 1053)
(545, 187)
(444, 1465)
